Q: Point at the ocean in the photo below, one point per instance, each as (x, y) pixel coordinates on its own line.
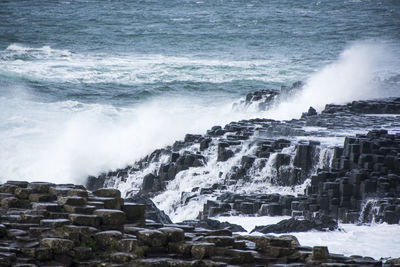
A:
(90, 86)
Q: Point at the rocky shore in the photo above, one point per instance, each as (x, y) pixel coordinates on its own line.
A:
(356, 181)
(44, 224)
(341, 165)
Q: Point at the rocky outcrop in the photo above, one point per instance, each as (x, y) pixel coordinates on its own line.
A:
(263, 153)
(152, 212)
(44, 224)
(292, 225)
(215, 225)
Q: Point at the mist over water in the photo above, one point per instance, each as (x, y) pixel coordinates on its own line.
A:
(360, 73)
(86, 95)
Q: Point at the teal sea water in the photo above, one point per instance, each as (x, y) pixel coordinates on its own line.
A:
(89, 86)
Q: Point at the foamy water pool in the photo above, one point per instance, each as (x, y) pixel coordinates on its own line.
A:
(377, 241)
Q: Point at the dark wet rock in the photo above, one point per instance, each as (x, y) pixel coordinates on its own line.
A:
(203, 250)
(152, 212)
(321, 223)
(57, 245)
(85, 220)
(45, 234)
(122, 257)
(173, 234)
(111, 217)
(107, 192)
(215, 225)
(108, 239)
(94, 182)
(153, 238)
(135, 213)
(151, 183)
(320, 253)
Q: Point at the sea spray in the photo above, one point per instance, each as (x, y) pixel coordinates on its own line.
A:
(356, 75)
(71, 140)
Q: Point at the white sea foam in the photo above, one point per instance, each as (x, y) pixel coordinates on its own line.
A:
(356, 75)
(378, 240)
(49, 64)
(70, 140)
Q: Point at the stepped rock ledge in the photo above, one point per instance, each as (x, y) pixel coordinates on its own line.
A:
(354, 181)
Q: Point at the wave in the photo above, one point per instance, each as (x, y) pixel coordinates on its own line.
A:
(54, 65)
(362, 71)
(70, 140)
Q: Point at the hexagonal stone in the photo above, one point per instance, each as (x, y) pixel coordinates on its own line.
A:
(22, 193)
(3, 230)
(152, 238)
(240, 256)
(320, 253)
(40, 187)
(54, 222)
(135, 212)
(79, 233)
(43, 253)
(71, 200)
(173, 234)
(39, 197)
(8, 188)
(264, 242)
(47, 206)
(86, 209)
(220, 241)
(182, 248)
(85, 220)
(203, 250)
(78, 193)
(5, 195)
(111, 217)
(108, 239)
(57, 245)
(127, 244)
(293, 240)
(122, 257)
(107, 192)
(10, 202)
(82, 253)
(22, 184)
(108, 202)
